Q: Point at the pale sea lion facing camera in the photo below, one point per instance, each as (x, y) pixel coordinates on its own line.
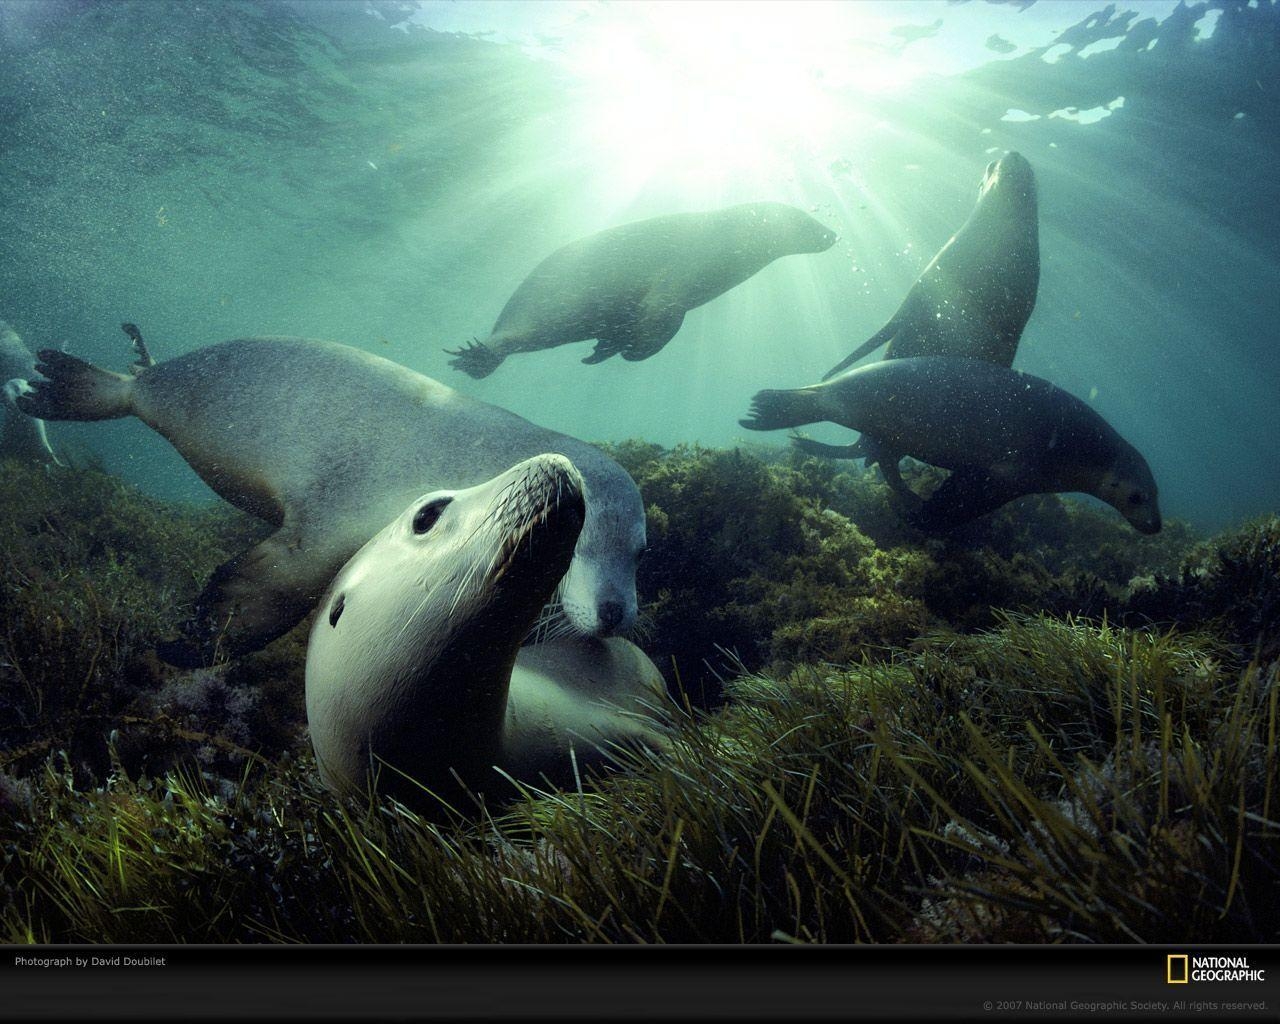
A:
(629, 287)
(326, 443)
(976, 295)
(1001, 432)
(416, 680)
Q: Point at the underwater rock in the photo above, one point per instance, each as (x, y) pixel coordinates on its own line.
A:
(1231, 583)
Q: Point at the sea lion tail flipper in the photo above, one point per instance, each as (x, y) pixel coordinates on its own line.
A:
(476, 359)
(870, 345)
(75, 390)
(249, 601)
(967, 494)
(829, 451)
(771, 410)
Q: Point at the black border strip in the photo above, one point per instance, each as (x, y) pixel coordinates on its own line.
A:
(888, 983)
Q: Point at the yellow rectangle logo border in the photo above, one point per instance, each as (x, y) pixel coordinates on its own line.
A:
(1185, 972)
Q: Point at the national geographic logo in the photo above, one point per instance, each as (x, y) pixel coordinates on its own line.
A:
(1183, 968)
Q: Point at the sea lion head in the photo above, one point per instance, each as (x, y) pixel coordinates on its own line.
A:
(790, 230)
(1009, 180)
(598, 593)
(411, 654)
(1129, 487)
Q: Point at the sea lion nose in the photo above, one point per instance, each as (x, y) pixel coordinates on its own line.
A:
(610, 614)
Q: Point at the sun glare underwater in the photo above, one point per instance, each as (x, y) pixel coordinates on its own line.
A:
(766, 389)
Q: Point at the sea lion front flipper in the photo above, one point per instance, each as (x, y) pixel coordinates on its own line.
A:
(605, 348)
(885, 333)
(893, 478)
(250, 600)
(652, 334)
(968, 493)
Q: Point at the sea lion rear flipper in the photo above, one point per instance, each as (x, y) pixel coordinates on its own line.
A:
(969, 492)
(476, 359)
(145, 360)
(257, 596)
(72, 389)
(870, 345)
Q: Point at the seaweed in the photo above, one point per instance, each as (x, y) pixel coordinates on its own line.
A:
(93, 574)
(1231, 583)
(768, 560)
(1010, 785)
(887, 755)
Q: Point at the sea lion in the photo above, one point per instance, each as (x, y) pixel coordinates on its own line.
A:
(976, 295)
(326, 443)
(1003, 433)
(415, 676)
(629, 287)
(21, 436)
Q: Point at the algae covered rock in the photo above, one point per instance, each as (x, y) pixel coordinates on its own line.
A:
(760, 558)
(1231, 582)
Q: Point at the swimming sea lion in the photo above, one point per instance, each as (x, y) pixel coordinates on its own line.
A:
(327, 443)
(629, 287)
(21, 436)
(976, 295)
(415, 673)
(1003, 433)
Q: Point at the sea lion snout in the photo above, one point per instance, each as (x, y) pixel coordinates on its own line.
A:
(540, 501)
(820, 238)
(610, 615)
(1011, 175)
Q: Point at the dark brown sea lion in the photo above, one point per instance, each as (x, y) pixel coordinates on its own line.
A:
(976, 295)
(629, 287)
(1001, 432)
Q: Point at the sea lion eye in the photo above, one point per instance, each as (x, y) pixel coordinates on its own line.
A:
(1135, 498)
(335, 613)
(427, 516)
